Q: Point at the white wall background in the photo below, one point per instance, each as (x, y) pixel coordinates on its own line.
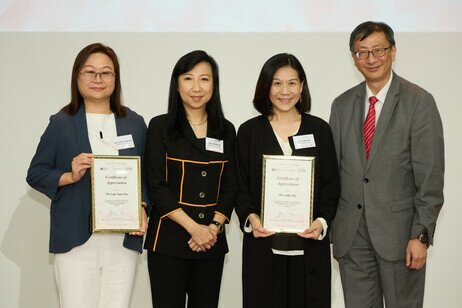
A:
(35, 71)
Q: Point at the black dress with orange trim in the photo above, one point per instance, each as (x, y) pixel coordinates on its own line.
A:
(182, 174)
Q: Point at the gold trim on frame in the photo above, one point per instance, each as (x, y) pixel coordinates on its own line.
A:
(138, 159)
(311, 160)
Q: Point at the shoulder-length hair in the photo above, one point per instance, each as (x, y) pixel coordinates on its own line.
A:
(76, 98)
(261, 100)
(176, 112)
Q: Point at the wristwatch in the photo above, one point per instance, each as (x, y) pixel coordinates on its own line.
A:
(423, 238)
(219, 225)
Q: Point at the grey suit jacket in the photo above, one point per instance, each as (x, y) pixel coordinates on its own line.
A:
(400, 186)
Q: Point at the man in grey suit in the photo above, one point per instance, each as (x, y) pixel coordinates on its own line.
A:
(389, 142)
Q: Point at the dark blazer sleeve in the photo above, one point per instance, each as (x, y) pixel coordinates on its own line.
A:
(141, 150)
(228, 187)
(164, 202)
(134, 124)
(244, 203)
(328, 185)
(43, 175)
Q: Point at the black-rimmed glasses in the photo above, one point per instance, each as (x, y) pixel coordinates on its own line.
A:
(92, 75)
(364, 54)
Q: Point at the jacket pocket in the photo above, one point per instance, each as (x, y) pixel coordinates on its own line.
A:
(401, 205)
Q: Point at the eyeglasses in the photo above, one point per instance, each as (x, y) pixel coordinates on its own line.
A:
(364, 54)
(92, 75)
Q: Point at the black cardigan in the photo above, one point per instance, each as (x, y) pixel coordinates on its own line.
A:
(255, 138)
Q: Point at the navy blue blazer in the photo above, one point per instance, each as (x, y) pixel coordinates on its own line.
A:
(70, 214)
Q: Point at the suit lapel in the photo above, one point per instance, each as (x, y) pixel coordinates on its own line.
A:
(271, 141)
(385, 115)
(122, 130)
(358, 114)
(121, 126)
(81, 129)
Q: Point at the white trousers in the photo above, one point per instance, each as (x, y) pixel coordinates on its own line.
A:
(97, 274)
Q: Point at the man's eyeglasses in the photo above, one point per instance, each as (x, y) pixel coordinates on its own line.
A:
(92, 75)
(364, 54)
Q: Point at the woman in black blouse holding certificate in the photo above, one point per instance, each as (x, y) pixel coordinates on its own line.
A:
(192, 182)
(282, 269)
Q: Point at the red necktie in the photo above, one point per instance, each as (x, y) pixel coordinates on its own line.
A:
(369, 125)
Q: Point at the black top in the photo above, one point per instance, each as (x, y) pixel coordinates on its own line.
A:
(256, 138)
(181, 173)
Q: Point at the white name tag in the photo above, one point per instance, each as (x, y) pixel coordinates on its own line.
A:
(304, 141)
(214, 145)
(124, 142)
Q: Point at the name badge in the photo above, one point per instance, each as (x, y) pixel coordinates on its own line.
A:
(124, 142)
(304, 141)
(214, 145)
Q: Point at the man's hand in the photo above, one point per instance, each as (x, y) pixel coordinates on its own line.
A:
(416, 254)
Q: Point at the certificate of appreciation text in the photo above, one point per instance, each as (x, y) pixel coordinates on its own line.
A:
(116, 193)
(287, 193)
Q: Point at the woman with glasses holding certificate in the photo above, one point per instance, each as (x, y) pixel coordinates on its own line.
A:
(192, 182)
(285, 265)
(92, 270)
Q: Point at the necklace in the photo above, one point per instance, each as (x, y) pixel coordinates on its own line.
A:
(100, 129)
(198, 124)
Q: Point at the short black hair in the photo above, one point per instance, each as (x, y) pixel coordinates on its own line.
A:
(367, 28)
(261, 99)
(175, 105)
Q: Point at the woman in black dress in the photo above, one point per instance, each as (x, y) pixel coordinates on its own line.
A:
(285, 270)
(192, 182)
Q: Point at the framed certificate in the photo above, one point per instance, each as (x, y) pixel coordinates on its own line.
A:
(116, 193)
(287, 193)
